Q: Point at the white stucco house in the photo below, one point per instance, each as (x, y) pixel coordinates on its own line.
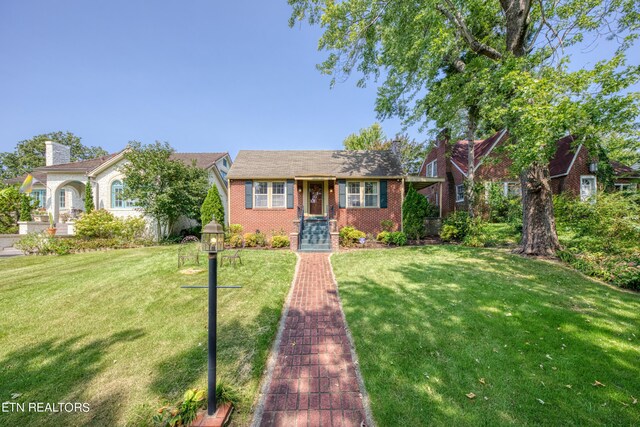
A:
(60, 186)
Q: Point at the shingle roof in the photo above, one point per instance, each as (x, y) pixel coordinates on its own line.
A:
(481, 147)
(562, 159)
(38, 177)
(292, 163)
(81, 166)
(623, 170)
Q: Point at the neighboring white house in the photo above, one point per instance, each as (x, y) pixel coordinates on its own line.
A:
(60, 185)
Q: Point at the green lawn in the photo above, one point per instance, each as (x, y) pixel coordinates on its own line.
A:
(115, 329)
(432, 324)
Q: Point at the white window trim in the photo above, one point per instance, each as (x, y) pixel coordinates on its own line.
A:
(433, 165)
(626, 186)
(126, 204)
(62, 198)
(362, 195)
(269, 194)
(461, 193)
(595, 185)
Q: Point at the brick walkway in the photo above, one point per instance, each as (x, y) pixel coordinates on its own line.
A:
(314, 382)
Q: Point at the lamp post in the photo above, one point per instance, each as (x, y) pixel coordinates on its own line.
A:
(212, 243)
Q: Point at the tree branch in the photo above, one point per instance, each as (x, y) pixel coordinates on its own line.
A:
(458, 21)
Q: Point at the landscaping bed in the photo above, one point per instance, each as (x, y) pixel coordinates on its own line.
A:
(115, 330)
(449, 335)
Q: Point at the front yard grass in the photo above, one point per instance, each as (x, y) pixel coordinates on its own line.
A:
(115, 329)
(528, 338)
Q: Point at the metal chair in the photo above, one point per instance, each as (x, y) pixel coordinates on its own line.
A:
(233, 257)
(189, 250)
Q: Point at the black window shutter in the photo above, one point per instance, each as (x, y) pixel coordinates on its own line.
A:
(248, 194)
(290, 194)
(342, 193)
(383, 193)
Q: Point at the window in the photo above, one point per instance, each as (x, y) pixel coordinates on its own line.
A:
(38, 196)
(270, 194)
(587, 187)
(117, 196)
(459, 193)
(62, 196)
(224, 162)
(261, 194)
(512, 189)
(362, 194)
(432, 169)
(353, 195)
(626, 186)
(278, 195)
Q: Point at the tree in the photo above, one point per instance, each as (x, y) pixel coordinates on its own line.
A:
(410, 152)
(164, 189)
(25, 208)
(212, 207)
(14, 206)
(517, 47)
(89, 204)
(30, 153)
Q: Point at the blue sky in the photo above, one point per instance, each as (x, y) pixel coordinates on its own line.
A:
(202, 75)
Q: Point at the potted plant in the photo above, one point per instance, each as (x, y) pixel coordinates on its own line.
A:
(40, 215)
(52, 226)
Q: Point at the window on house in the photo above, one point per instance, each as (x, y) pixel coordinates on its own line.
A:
(224, 162)
(512, 189)
(362, 194)
(261, 194)
(587, 187)
(38, 196)
(62, 197)
(117, 196)
(432, 169)
(278, 195)
(626, 186)
(353, 195)
(459, 193)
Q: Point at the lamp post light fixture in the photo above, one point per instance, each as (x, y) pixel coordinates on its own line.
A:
(212, 243)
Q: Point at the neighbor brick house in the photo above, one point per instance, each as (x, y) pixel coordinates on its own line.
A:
(272, 191)
(572, 170)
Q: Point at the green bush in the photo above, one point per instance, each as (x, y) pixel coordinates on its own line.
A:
(398, 238)
(387, 225)
(279, 241)
(455, 227)
(415, 209)
(235, 241)
(184, 412)
(253, 240)
(212, 207)
(349, 236)
(384, 237)
(98, 224)
(235, 229)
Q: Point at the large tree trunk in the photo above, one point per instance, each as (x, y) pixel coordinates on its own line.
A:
(538, 221)
(471, 161)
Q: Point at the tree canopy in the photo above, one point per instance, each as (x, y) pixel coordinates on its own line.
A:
(164, 189)
(30, 153)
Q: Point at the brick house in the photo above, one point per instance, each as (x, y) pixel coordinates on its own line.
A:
(311, 194)
(572, 169)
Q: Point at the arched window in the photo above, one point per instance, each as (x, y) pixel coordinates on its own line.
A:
(117, 199)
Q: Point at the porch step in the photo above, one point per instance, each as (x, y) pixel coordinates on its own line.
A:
(315, 236)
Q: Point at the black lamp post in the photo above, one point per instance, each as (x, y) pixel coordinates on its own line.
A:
(212, 243)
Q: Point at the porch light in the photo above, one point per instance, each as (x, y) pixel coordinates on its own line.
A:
(213, 237)
(593, 167)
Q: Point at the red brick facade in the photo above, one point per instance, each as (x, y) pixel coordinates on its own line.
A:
(273, 220)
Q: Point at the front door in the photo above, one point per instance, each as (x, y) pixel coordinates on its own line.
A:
(315, 198)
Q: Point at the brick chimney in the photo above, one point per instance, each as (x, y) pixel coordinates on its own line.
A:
(56, 154)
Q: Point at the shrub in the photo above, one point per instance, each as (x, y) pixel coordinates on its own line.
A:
(25, 208)
(414, 211)
(235, 241)
(384, 237)
(387, 225)
(455, 227)
(280, 241)
(212, 207)
(132, 228)
(235, 229)
(398, 238)
(253, 240)
(88, 198)
(349, 236)
(98, 224)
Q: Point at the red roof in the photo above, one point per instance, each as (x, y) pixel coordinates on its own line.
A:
(561, 161)
(481, 148)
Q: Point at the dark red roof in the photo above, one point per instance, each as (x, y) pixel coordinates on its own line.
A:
(561, 161)
(481, 148)
(81, 166)
(623, 170)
